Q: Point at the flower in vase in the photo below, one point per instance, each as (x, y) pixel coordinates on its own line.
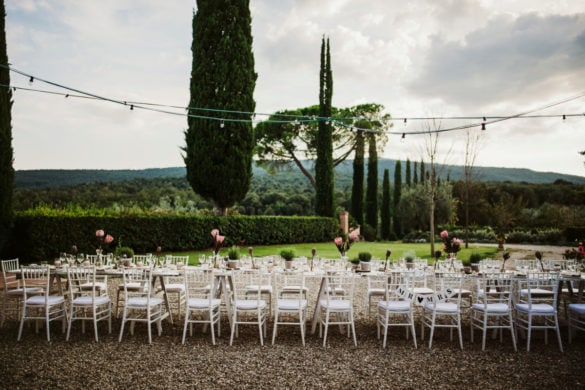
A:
(104, 240)
(217, 240)
(344, 243)
(450, 245)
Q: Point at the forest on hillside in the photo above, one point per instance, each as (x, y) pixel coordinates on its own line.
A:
(505, 205)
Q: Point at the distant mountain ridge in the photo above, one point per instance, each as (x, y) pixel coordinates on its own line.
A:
(46, 178)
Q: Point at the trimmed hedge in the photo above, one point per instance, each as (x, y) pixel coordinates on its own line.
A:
(38, 238)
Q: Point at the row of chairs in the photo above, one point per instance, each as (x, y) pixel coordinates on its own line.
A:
(441, 308)
(500, 303)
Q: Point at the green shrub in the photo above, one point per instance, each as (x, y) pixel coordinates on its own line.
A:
(41, 237)
(474, 258)
(124, 251)
(365, 256)
(234, 253)
(287, 253)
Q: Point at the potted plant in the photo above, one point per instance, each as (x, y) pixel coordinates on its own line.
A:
(409, 259)
(233, 257)
(365, 258)
(474, 260)
(355, 263)
(125, 254)
(288, 255)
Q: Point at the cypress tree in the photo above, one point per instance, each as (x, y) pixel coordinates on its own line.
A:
(324, 165)
(415, 170)
(422, 171)
(408, 173)
(6, 153)
(357, 189)
(219, 150)
(385, 228)
(396, 197)
(372, 189)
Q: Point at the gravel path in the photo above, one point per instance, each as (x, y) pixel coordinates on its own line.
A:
(133, 364)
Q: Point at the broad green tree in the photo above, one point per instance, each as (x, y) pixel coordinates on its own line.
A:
(372, 184)
(324, 165)
(6, 153)
(385, 222)
(396, 198)
(219, 144)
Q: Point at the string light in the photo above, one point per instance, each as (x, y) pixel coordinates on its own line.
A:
(298, 119)
(31, 80)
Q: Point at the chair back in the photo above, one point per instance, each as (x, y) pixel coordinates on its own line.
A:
(137, 282)
(291, 284)
(82, 282)
(35, 281)
(448, 287)
(199, 283)
(144, 260)
(494, 288)
(247, 285)
(9, 279)
(539, 288)
(339, 286)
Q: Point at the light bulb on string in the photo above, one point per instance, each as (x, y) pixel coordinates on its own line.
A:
(483, 126)
(403, 137)
(484, 119)
(221, 124)
(132, 107)
(564, 117)
(31, 80)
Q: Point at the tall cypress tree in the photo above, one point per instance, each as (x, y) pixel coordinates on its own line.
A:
(219, 150)
(415, 170)
(357, 189)
(6, 153)
(422, 171)
(396, 198)
(385, 228)
(324, 164)
(372, 189)
(408, 173)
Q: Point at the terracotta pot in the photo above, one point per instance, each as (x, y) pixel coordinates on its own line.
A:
(365, 266)
(288, 264)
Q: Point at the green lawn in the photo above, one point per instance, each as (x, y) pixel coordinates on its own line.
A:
(377, 249)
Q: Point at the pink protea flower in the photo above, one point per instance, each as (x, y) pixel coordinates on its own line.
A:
(444, 234)
(338, 241)
(214, 232)
(99, 233)
(219, 239)
(108, 239)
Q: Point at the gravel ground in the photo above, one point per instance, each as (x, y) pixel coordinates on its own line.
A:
(133, 364)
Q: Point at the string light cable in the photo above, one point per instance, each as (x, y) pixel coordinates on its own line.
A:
(289, 118)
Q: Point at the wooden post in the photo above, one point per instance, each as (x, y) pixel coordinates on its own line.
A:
(344, 221)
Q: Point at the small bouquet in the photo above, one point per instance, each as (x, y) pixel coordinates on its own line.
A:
(104, 240)
(343, 245)
(451, 245)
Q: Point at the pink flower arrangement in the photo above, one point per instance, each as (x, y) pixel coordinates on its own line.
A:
(217, 240)
(104, 240)
(344, 245)
(451, 246)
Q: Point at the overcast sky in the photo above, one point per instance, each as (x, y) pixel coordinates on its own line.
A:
(417, 58)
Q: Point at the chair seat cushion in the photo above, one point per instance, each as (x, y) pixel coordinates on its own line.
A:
(491, 307)
(202, 303)
(336, 305)
(249, 304)
(40, 300)
(394, 305)
(265, 288)
(577, 307)
(291, 304)
(143, 302)
(87, 301)
(20, 291)
(175, 287)
(442, 307)
(538, 308)
(376, 291)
